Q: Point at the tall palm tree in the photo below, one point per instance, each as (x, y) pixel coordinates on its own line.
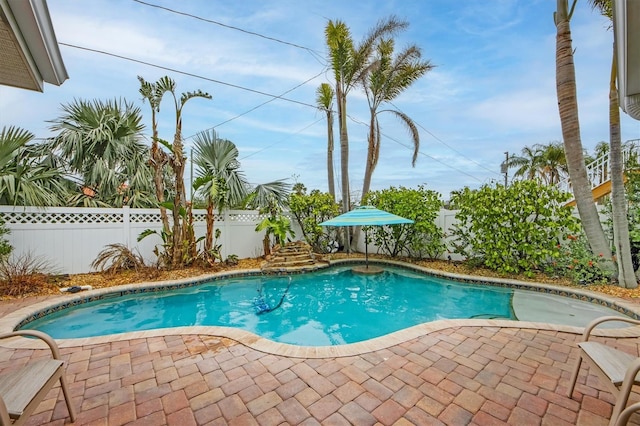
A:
(324, 100)
(383, 80)
(348, 62)
(100, 143)
(621, 238)
(24, 179)
(568, 109)
(153, 93)
(219, 178)
(183, 241)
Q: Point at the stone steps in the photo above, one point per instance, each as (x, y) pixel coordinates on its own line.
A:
(295, 256)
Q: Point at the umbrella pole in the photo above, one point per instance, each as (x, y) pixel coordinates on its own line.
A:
(366, 248)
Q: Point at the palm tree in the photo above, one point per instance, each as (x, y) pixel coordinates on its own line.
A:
(100, 143)
(527, 164)
(269, 196)
(553, 166)
(153, 93)
(384, 80)
(568, 109)
(621, 238)
(324, 100)
(24, 179)
(219, 178)
(182, 237)
(348, 62)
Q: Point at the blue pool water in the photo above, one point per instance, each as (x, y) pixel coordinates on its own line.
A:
(330, 307)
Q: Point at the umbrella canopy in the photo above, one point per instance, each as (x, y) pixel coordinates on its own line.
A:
(366, 216)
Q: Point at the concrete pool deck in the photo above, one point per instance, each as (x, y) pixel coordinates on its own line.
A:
(455, 372)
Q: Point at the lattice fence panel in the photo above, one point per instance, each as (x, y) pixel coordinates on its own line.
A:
(60, 218)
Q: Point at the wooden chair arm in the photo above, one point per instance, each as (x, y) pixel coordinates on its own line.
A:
(593, 324)
(55, 351)
(4, 413)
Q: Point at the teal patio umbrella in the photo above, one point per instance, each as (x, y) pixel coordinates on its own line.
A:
(366, 216)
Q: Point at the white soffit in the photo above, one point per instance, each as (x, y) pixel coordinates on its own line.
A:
(626, 25)
(29, 53)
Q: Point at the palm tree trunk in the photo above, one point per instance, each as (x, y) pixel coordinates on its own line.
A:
(568, 108)
(344, 159)
(621, 239)
(208, 241)
(158, 160)
(178, 169)
(372, 150)
(330, 176)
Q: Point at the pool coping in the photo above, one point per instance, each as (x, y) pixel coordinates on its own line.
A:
(23, 316)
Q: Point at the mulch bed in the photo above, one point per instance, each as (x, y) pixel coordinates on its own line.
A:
(51, 285)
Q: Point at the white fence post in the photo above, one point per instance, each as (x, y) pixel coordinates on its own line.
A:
(126, 226)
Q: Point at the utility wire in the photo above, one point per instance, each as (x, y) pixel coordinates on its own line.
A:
(282, 140)
(355, 120)
(259, 105)
(449, 146)
(211, 21)
(126, 58)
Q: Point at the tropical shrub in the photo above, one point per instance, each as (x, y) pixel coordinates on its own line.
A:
(418, 240)
(5, 247)
(309, 210)
(577, 262)
(512, 230)
(633, 196)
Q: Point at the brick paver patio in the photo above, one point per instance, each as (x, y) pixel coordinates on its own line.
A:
(456, 376)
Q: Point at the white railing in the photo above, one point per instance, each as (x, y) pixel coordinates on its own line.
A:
(599, 171)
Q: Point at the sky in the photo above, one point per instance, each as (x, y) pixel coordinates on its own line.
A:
(492, 89)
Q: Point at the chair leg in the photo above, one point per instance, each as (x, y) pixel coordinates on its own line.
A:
(574, 377)
(67, 398)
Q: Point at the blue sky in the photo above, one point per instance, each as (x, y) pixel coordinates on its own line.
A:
(493, 88)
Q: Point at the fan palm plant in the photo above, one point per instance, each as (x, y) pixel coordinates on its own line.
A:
(219, 178)
(101, 144)
(25, 179)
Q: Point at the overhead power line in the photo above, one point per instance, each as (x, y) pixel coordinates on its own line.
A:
(449, 146)
(282, 140)
(211, 21)
(126, 58)
(259, 105)
(355, 120)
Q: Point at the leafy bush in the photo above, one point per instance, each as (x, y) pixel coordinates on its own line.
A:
(514, 229)
(577, 262)
(5, 247)
(309, 211)
(633, 196)
(419, 240)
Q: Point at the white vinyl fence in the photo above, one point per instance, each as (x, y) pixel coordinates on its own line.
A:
(69, 239)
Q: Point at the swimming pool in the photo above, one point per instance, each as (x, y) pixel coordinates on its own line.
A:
(328, 307)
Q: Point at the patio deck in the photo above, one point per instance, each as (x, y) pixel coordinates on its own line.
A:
(480, 375)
